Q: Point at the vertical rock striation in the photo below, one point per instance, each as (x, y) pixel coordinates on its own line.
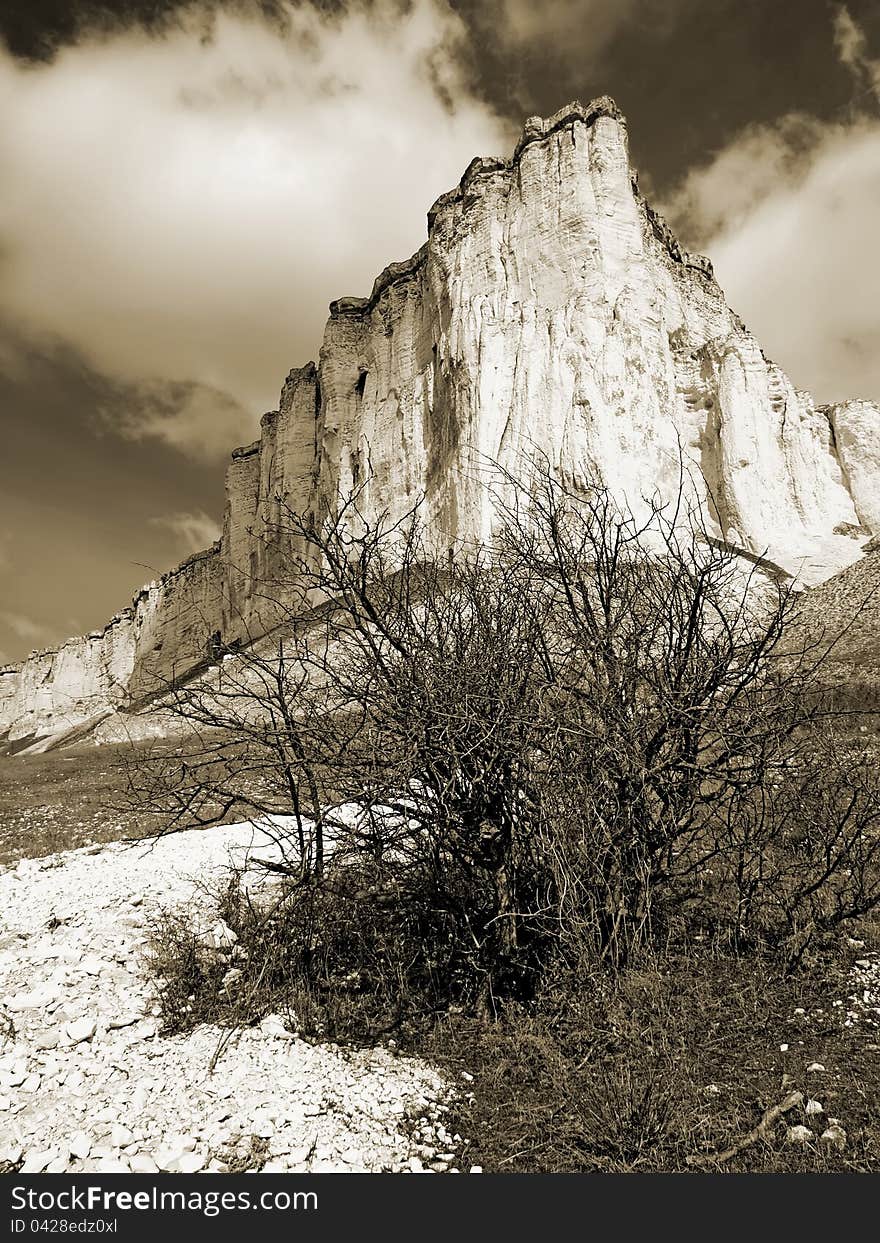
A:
(550, 312)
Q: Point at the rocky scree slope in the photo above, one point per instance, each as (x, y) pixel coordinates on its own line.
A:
(848, 606)
(87, 1083)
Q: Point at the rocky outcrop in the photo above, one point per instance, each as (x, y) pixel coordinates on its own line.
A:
(551, 311)
(855, 427)
(165, 632)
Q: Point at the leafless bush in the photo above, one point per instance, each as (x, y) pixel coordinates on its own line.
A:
(591, 737)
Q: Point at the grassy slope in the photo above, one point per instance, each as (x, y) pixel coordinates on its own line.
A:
(63, 800)
(848, 605)
(688, 1064)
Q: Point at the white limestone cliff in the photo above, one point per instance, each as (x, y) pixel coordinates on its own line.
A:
(551, 311)
(855, 426)
(162, 634)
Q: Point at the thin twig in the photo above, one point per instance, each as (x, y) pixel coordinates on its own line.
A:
(771, 1116)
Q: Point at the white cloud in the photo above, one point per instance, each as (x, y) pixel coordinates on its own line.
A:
(197, 419)
(181, 210)
(26, 629)
(724, 194)
(524, 22)
(193, 531)
(851, 44)
(788, 215)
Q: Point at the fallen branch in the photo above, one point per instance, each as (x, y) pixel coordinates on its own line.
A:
(759, 1132)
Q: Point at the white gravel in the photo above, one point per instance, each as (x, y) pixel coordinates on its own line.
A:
(87, 1084)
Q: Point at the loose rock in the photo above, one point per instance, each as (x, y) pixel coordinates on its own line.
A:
(835, 1137)
(89, 1080)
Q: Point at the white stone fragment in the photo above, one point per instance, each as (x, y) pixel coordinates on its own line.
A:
(81, 1029)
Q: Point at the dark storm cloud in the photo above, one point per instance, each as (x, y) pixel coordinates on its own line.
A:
(77, 507)
(689, 74)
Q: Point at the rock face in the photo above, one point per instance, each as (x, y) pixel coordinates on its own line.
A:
(551, 311)
(855, 427)
(164, 632)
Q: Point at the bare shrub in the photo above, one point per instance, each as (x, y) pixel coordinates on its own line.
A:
(588, 740)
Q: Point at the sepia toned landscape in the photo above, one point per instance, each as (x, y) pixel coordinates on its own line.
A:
(496, 790)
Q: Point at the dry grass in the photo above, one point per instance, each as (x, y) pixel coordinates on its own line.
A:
(681, 1061)
(62, 801)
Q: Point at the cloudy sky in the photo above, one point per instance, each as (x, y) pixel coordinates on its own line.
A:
(185, 186)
